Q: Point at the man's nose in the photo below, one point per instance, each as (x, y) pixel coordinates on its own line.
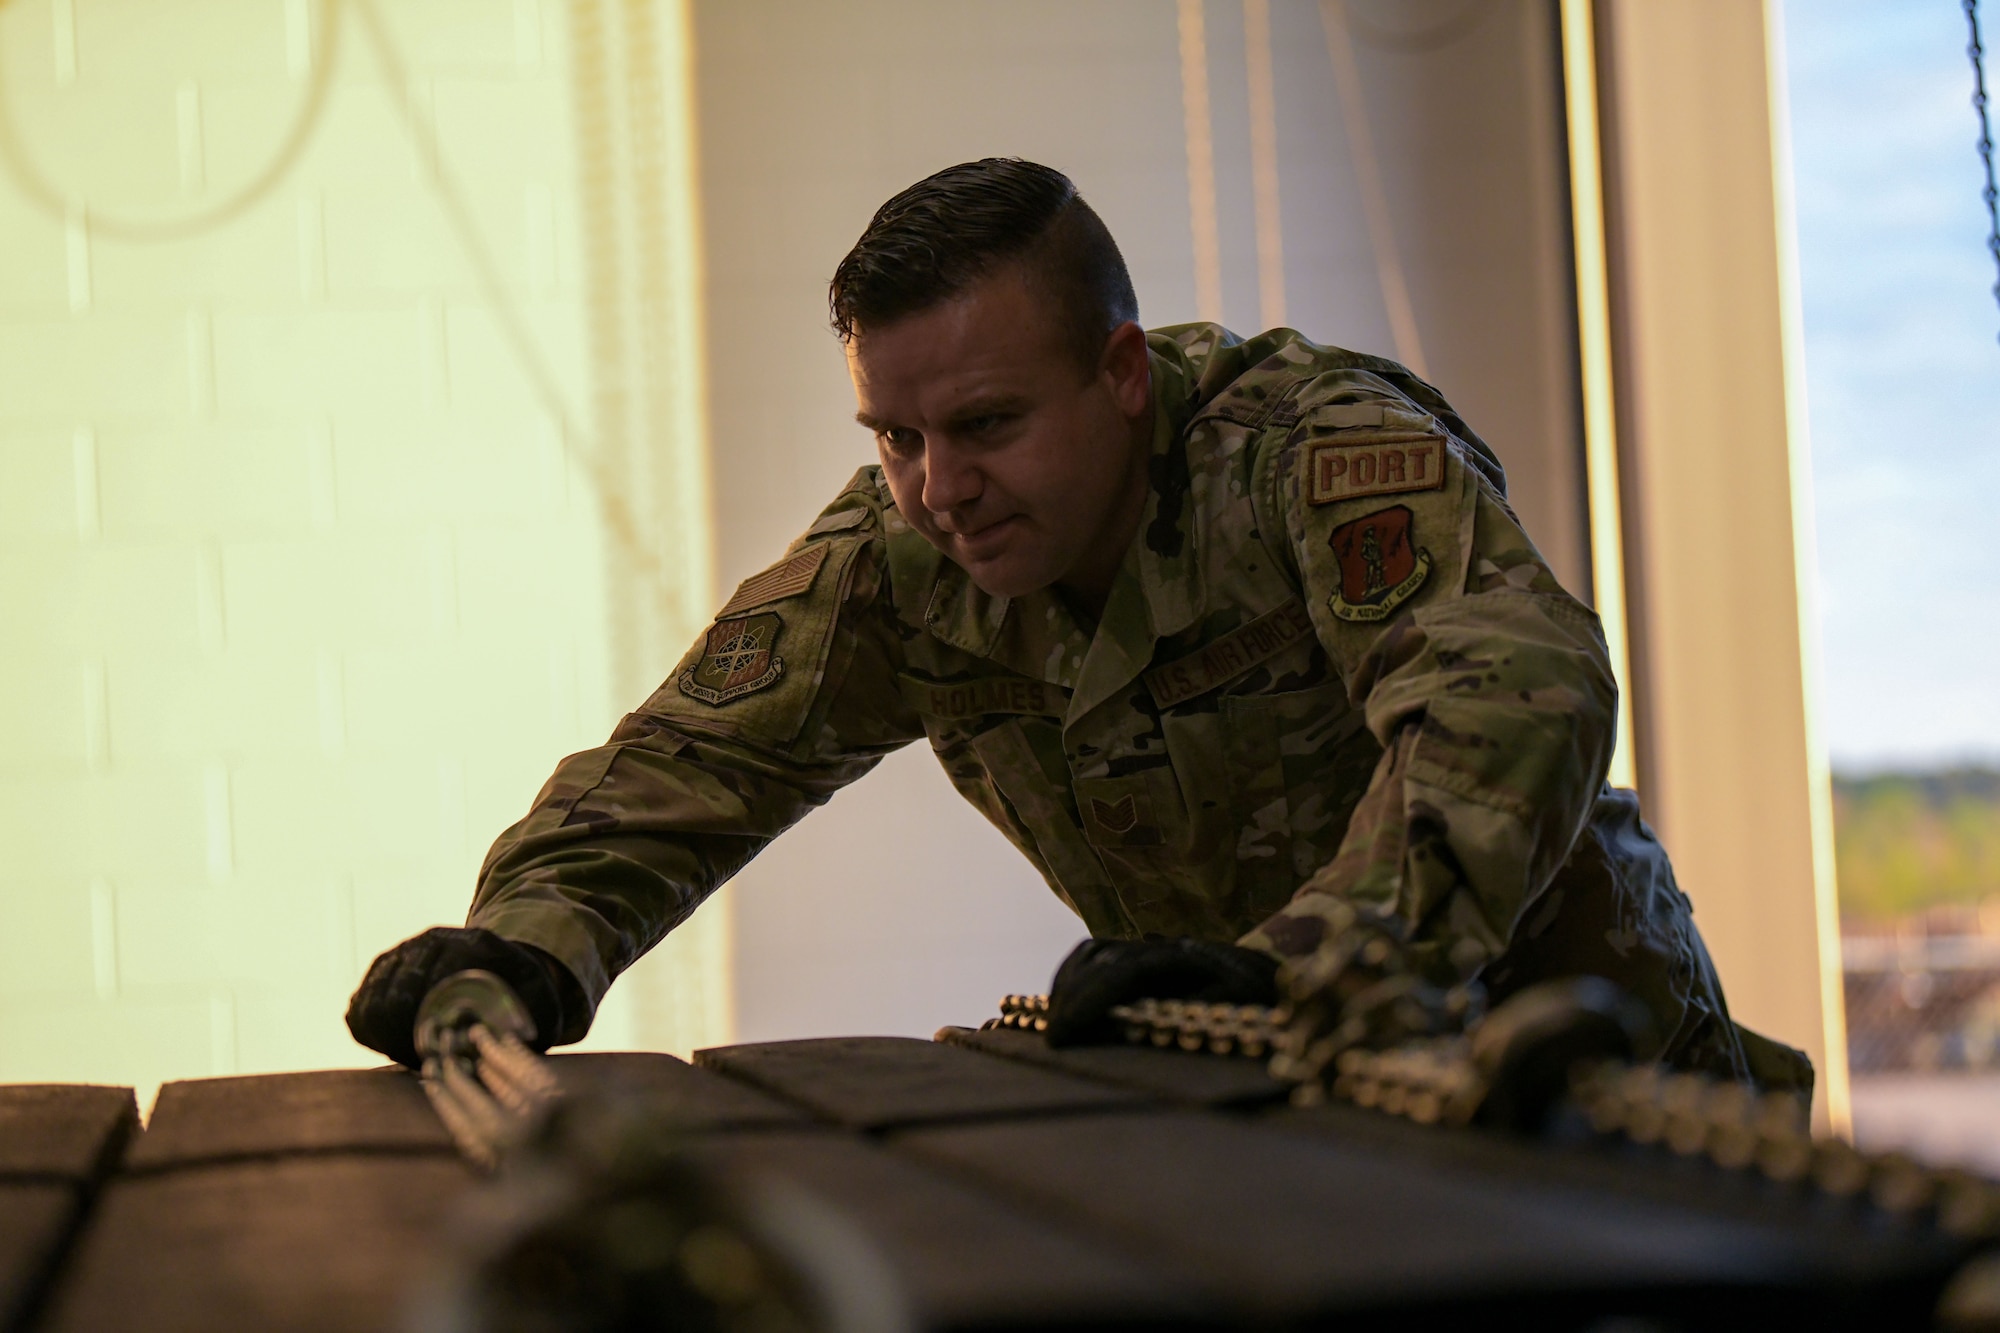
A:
(950, 479)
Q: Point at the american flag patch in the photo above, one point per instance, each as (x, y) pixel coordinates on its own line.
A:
(787, 578)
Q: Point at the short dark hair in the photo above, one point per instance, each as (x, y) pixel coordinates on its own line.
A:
(939, 236)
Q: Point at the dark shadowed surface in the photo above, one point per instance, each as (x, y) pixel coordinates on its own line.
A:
(305, 1243)
(1170, 1075)
(354, 1110)
(965, 1258)
(1289, 1224)
(36, 1220)
(56, 1142)
(874, 1082)
(680, 1095)
(62, 1129)
(280, 1201)
(997, 1192)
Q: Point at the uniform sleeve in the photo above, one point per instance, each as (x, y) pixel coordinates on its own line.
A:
(789, 696)
(1487, 685)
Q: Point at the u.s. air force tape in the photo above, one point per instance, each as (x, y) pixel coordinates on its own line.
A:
(1230, 656)
(956, 700)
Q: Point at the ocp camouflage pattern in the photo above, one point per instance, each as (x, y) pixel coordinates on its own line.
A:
(1434, 748)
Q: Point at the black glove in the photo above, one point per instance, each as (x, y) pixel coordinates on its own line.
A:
(1360, 989)
(383, 1013)
(1101, 974)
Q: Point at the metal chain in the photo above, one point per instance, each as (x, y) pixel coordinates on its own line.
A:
(488, 1088)
(487, 1092)
(1251, 1030)
(1024, 1013)
(1435, 1081)
(1976, 52)
(1742, 1130)
(482, 1079)
(1432, 1081)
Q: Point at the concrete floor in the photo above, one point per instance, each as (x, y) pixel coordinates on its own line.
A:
(1944, 1118)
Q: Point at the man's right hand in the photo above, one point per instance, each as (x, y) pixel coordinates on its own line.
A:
(383, 1013)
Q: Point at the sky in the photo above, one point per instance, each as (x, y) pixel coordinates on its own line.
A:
(1902, 337)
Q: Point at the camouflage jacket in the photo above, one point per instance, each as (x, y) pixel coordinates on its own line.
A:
(1332, 666)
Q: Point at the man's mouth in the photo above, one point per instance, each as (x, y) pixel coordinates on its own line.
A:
(982, 543)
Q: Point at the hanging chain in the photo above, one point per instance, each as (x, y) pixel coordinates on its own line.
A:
(1435, 1081)
(1976, 52)
(488, 1091)
(485, 1083)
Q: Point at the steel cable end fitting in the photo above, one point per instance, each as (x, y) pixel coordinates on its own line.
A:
(461, 1002)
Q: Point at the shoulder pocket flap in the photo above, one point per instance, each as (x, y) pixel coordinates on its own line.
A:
(839, 522)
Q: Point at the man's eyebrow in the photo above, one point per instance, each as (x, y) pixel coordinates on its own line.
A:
(983, 407)
(999, 404)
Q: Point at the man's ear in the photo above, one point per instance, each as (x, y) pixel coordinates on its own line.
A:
(1128, 369)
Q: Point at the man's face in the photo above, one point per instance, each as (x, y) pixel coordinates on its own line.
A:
(1019, 464)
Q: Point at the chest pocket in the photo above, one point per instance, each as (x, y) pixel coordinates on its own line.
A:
(1299, 762)
(1136, 815)
(1032, 811)
(1170, 866)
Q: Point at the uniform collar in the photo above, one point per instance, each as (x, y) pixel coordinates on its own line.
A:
(1162, 554)
(1157, 591)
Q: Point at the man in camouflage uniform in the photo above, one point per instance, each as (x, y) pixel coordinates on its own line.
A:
(1238, 641)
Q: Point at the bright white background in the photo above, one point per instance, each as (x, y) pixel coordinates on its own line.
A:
(1903, 372)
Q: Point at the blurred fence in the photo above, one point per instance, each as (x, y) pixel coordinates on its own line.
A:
(1922, 1002)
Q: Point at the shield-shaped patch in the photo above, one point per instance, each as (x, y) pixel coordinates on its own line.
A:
(738, 659)
(1380, 566)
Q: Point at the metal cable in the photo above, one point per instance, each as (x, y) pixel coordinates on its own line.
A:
(50, 197)
(1976, 52)
(619, 517)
